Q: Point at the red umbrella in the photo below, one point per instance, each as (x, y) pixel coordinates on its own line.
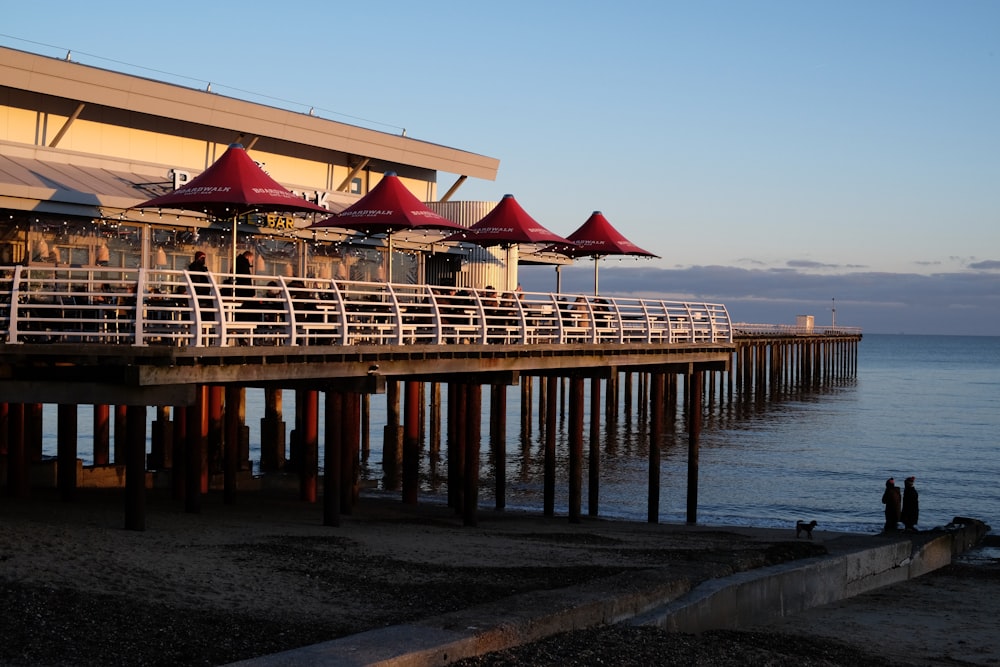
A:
(389, 207)
(233, 186)
(597, 238)
(506, 225)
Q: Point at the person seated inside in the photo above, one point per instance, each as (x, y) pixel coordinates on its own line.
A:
(304, 301)
(493, 314)
(602, 312)
(581, 313)
(272, 304)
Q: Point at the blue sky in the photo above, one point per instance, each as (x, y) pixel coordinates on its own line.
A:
(777, 155)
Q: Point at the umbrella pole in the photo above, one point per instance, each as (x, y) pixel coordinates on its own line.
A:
(232, 262)
(388, 258)
(508, 281)
(596, 260)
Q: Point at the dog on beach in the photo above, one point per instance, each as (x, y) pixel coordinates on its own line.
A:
(803, 527)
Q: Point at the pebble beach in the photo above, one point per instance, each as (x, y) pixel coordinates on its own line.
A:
(264, 575)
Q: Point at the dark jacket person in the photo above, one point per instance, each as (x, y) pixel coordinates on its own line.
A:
(892, 502)
(199, 276)
(911, 504)
(244, 269)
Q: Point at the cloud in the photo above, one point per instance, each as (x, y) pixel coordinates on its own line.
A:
(986, 264)
(809, 264)
(958, 303)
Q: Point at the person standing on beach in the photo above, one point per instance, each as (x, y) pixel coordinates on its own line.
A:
(911, 505)
(892, 502)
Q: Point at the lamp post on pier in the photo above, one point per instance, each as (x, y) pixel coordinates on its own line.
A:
(833, 313)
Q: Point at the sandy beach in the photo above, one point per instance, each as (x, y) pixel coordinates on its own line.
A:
(948, 617)
(264, 575)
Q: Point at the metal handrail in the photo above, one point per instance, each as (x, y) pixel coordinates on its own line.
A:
(752, 329)
(141, 307)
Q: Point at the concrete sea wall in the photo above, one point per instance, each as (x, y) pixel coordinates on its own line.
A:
(748, 598)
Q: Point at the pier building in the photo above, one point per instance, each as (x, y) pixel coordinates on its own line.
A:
(81, 146)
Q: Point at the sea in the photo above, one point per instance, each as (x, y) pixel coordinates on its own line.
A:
(922, 406)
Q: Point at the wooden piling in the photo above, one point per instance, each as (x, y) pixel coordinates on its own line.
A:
(694, 432)
(549, 457)
(473, 428)
(34, 421)
(216, 428)
(498, 443)
(197, 433)
(627, 394)
(543, 403)
(392, 437)
(18, 479)
(102, 435)
(177, 469)
(66, 447)
(575, 438)
(366, 425)
(135, 469)
(526, 388)
(309, 473)
(272, 432)
(655, 428)
(457, 448)
(231, 443)
(332, 457)
(594, 458)
(161, 450)
(411, 442)
(434, 433)
(121, 421)
(350, 455)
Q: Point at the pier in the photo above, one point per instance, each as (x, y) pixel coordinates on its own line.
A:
(97, 309)
(190, 345)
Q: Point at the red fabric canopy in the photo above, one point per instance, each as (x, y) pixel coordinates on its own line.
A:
(506, 225)
(597, 238)
(233, 186)
(387, 208)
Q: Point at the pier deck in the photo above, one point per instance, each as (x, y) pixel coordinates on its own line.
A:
(191, 345)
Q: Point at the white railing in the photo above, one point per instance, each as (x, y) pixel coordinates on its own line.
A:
(161, 307)
(792, 330)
